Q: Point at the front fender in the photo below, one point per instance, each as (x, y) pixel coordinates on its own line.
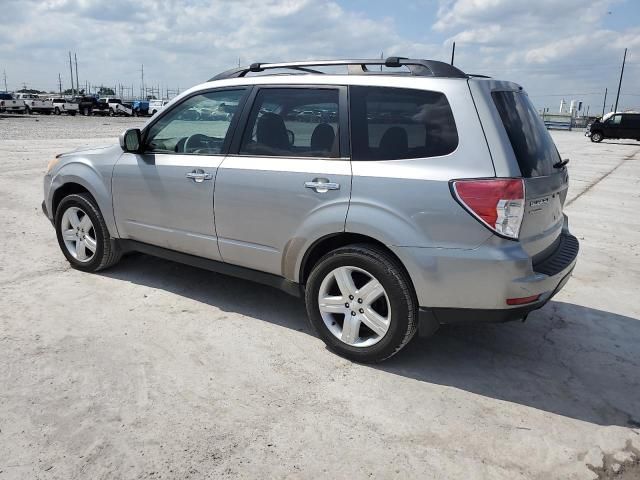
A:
(95, 182)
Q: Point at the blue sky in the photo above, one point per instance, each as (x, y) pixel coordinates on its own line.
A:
(570, 48)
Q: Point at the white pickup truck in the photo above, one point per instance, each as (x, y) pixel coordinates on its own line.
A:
(34, 104)
(116, 107)
(62, 105)
(10, 104)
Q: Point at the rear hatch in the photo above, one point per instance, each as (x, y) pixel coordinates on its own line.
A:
(546, 182)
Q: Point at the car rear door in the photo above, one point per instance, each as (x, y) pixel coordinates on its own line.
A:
(287, 178)
(164, 195)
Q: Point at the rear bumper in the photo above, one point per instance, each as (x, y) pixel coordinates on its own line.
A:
(462, 286)
(430, 319)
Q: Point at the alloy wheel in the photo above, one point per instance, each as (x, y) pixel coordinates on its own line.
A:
(78, 234)
(354, 306)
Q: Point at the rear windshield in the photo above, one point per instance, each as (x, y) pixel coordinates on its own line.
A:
(535, 151)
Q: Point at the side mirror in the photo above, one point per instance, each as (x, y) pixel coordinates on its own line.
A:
(131, 140)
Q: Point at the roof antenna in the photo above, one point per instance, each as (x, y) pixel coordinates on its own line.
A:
(453, 52)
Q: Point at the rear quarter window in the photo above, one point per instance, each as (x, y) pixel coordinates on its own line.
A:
(397, 123)
(533, 146)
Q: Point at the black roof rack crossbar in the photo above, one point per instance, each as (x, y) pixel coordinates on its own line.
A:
(416, 67)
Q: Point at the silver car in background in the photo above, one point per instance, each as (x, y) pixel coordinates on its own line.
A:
(393, 201)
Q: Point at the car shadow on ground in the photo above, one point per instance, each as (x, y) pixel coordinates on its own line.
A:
(565, 359)
(620, 142)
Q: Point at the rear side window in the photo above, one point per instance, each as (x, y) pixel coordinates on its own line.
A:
(534, 149)
(397, 123)
(293, 122)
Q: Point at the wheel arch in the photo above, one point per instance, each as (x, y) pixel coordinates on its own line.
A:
(81, 178)
(330, 242)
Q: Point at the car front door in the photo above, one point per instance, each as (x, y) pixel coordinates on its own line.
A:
(287, 178)
(164, 196)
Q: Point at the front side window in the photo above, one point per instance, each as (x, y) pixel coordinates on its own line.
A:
(197, 126)
(616, 119)
(293, 122)
(396, 123)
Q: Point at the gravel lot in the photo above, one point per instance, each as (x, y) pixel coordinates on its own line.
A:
(158, 370)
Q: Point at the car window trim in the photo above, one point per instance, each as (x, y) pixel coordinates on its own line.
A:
(232, 125)
(343, 123)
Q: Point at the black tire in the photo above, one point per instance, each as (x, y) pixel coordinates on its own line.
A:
(27, 111)
(597, 137)
(107, 251)
(400, 292)
(57, 111)
(73, 114)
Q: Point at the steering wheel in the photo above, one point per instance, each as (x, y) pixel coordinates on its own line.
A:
(195, 141)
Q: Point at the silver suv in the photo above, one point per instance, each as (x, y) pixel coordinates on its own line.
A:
(395, 198)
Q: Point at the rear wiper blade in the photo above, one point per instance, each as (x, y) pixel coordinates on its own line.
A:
(561, 163)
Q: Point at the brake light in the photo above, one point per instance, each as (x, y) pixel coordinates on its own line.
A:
(497, 202)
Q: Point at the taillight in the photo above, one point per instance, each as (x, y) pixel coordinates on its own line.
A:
(497, 202)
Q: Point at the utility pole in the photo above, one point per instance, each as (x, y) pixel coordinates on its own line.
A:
(77, 81)
(620, 82)
(142, 85)
(604, 102)
(60, 84)
(453, 52)
(4, 74)
(71, 70)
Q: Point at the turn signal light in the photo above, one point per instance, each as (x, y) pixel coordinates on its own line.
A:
(522, 300)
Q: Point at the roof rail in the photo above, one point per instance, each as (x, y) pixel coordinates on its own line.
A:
(417, 67)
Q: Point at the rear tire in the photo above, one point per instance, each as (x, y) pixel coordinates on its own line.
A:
(57, 111)
(27, 111)
(596, 137)
(83, 235)
(381, 322)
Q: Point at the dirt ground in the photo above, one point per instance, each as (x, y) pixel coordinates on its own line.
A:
(157, 370)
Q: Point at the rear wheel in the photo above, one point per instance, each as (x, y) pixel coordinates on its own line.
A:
(597, 137)
(83, 235)
(362, 304)
(27, 110)
(57, 111)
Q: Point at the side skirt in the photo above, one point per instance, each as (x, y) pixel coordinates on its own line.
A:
(269, 279)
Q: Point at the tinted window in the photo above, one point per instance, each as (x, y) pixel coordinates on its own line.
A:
(5, 96)
(293, 122)
(534, 149)
(631, 121)
(199, 125)
(395, 123)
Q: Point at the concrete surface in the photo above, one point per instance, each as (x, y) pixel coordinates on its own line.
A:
(158, 370)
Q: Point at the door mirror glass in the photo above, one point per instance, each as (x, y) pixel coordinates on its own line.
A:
(130, 140)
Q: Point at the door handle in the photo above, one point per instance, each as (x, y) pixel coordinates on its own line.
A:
(198, 175)
(322, 185)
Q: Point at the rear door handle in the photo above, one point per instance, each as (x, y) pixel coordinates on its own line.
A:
(198, 175)
(322, 185)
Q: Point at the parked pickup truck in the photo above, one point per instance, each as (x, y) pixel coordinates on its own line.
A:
(10, 104)
(140, 108)
(156, 106)
(89, 105)
(62, 105)
(115, 107)
(34, 104)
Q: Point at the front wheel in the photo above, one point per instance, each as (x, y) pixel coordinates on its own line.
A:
(596, 137)
(83, 235)
(362, 304)
(57, 111)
